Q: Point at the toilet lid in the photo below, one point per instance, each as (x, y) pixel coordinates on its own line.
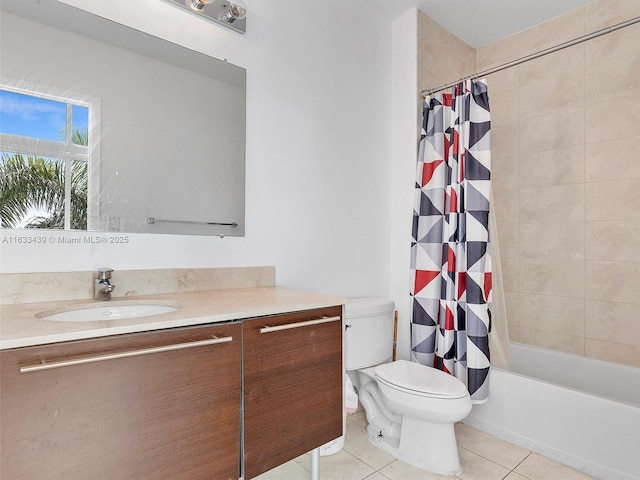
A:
(420, 379)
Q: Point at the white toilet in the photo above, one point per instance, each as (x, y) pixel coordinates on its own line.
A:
(411, 408)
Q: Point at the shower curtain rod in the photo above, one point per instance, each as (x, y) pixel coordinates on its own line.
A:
(533, 56)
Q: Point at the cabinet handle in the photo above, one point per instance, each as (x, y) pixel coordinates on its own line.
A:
(132, 353)
(307, 323)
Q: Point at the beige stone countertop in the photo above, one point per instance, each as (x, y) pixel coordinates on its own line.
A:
(21, 327)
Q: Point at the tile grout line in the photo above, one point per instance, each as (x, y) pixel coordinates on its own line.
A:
(520, 463)
(511, 470)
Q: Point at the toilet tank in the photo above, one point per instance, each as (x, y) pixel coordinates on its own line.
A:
(368, 335)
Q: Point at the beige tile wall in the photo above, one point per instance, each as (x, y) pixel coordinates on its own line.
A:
(566, 178)
(434, 69)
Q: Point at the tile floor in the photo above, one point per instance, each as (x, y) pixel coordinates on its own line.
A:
(482, 456)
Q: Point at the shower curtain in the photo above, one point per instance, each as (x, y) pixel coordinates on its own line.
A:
(450, 260)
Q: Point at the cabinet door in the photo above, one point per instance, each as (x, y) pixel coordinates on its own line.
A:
(292, 386)
(140, 408)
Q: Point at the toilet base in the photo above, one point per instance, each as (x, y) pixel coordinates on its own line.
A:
(428, 446)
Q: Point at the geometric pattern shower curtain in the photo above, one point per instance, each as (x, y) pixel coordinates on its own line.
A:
(450, 257)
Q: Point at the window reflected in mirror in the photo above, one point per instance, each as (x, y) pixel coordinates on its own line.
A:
(44, 161)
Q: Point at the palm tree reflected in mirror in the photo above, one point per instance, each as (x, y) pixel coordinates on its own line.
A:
(34, 192)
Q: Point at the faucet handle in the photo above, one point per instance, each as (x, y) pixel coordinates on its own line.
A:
(102, 286)
(104, 273)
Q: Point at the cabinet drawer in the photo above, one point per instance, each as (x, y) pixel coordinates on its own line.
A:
(125, 407)
(292, 386)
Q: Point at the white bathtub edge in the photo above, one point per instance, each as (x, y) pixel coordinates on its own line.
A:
(590, 468)
(589, 433)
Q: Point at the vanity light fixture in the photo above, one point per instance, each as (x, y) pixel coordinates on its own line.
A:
(197, 5)
(233, 11)
(229, 13)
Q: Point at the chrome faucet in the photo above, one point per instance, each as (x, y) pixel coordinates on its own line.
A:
(102, 286)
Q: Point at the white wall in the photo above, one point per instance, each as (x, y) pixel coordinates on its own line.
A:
(319, 162)
(404, 134)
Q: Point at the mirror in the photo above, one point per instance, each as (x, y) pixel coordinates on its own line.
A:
(165, 151)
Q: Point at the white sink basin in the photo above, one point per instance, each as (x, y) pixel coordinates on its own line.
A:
(99, 312)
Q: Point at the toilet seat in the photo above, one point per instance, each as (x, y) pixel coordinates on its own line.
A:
(420, 380)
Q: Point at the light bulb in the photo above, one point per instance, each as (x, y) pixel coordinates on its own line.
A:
(235, 10)
(197, 5)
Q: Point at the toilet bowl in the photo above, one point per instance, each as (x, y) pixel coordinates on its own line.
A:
(410, 408)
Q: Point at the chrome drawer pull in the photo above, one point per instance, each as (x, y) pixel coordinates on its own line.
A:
(307, 323)
(132, 353)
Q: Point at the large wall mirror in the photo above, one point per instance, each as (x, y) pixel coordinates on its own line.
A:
(122, 131)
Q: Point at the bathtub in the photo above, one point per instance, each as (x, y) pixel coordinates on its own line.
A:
(581, 412)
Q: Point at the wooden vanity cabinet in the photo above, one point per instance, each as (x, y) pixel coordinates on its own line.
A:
(129, 413)
(293, 380)
(167, 404)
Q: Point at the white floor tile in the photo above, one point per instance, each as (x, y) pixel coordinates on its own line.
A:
(358, 417)
(492, 448)
(376, 476)
(475, 467)
(398, 470)
(482, 457)
(515, 476)
(340, 466)
(537, 467)
(358, 445)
